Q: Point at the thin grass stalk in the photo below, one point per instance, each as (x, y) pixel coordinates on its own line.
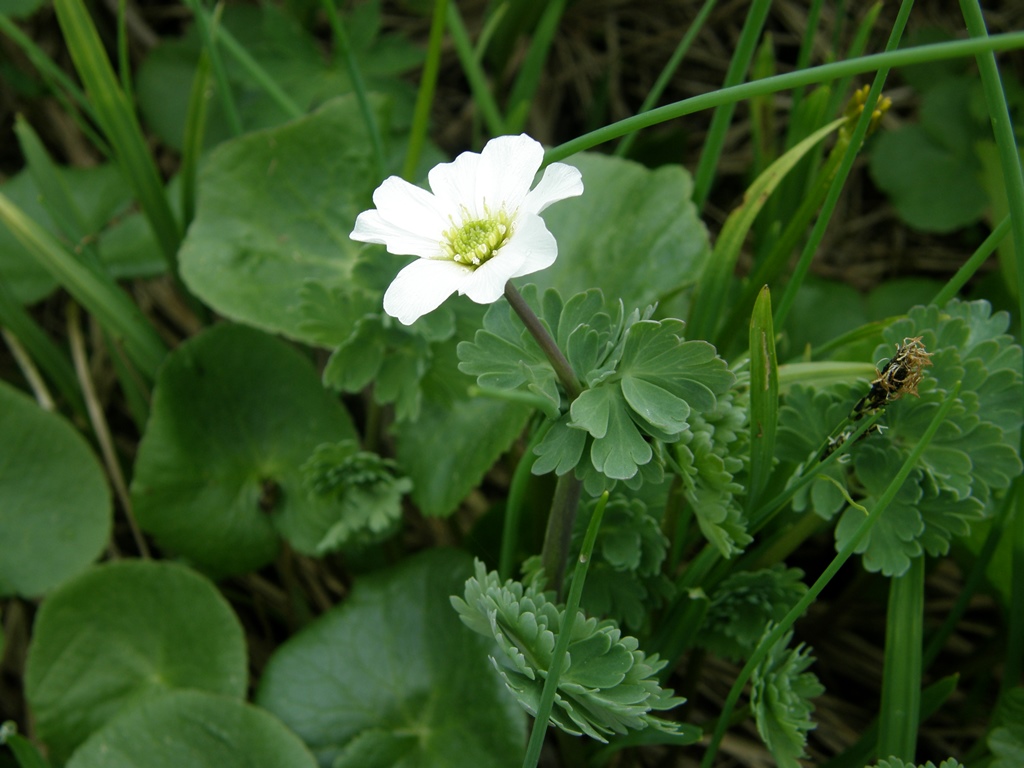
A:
(425, 96)
(124, 59)
(764, 396)
(482, 96)
(192, 138)
(822, 581)
(921, 54)
(715, 140)
(41, 348)
(514, 503)
(1012, 663)
(532, 71)
(572, 607)
(343, 45)
(116, 116)
(973, 264)
(901, 674)
(50, 72)
(209, 30)
(256, 71)
(1002, 127)
(803, 56)
(839, 181)
(668, 72)
(91, 288)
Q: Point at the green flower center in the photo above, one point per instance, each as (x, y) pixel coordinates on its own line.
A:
(475, 241)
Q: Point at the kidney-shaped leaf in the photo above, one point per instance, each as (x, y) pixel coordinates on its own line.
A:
(194, 729)
(121, 634)
(275, 208)
(218, 474)
(394, 661)
(54, 500)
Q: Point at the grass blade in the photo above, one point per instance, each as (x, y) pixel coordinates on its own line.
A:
(482, 96)
(710, 293)
(425, 96)
(715, 141)
(92, 289)
(117, 119)
(670, 69)
(838, 561)
(530, 75)
(764, 396)
(901, 675)
(572, 606)
(921, 54)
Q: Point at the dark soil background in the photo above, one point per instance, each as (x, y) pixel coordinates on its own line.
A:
(606, 57)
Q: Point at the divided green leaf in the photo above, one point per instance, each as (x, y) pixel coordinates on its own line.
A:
(608, 686)
(780, 696)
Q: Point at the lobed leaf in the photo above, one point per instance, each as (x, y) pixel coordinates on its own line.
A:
(607, 686)
(780, 696)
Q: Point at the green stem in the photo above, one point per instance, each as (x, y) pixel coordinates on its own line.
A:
(705, 173)
(572, 606)
(514, 503)
(670, 69)
(557, 538)
(425, 97)
(358, 85)
(973, 264)
(921, 54)
(563, 369)
(1014, 662)
(482, 96)
(840, 559)
(839, 181)
(532, 70)
(901, 676)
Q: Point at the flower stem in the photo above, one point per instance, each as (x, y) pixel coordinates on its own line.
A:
(557, 537)
(555, 553)
(533, 324)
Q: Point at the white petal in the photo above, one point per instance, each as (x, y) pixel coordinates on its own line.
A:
(560, 181)
(422, 287)
(509, 165)
(454, 183)
(487, 283)
(410, 208)
(372, 228)
(532, 247)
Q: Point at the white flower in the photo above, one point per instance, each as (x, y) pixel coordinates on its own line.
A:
(478, 227)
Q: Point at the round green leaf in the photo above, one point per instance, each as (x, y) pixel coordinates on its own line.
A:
(274, 211)
(121, 634)
(218, 474)
(54, 498)
(197, 730)
(633, 233)
(394, 661)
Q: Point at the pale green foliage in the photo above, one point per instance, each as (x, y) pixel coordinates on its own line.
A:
(895, 762)
(624, 580)
(607, 685)
(712, 452)
(1007, 740)
(780, 696)
(743, 604)
(642, 380)
(367, 495)
(973, 454)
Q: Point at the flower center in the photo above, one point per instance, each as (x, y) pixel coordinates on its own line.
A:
(475, 241)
